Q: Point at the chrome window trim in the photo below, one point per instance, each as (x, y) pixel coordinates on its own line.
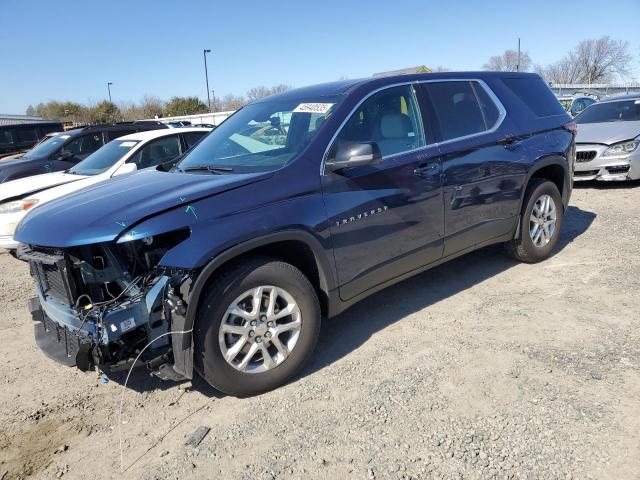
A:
(502, 114)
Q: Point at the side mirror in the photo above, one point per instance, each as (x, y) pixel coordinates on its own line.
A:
(349, 155)
(126, 168)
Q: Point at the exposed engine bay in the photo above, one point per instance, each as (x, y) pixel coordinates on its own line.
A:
(105, 302)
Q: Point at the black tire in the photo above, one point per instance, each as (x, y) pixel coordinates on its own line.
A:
(233, 282)
(523, 248)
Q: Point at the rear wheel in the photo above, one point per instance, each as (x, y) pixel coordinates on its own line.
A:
(539, 224)
(256, 327)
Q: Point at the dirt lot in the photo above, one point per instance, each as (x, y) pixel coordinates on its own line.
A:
(480, 368)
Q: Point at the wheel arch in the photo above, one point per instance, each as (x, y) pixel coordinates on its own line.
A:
(299, 248)
(555, 169)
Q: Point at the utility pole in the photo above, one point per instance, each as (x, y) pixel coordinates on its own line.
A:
(206, 74)
(518, 64)
(109, 89)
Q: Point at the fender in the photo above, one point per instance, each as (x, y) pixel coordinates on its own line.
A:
(192, 289)
(539, 165)
(546, 161)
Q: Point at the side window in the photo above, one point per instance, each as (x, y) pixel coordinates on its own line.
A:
(489, 110)
(157, 152)
(26, 134)
(85, 144)
(459, 111)
(390, 118)
(113, 134)
(536, 95)
(191, 138)
(6, 136)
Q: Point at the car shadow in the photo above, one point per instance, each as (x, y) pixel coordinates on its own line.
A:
(349, 330)
(346, 332)
(599, 185)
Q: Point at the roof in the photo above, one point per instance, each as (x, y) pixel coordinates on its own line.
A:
(151, 134)
(618, 98)
(6, 119)
(345, 86)
(404, 71)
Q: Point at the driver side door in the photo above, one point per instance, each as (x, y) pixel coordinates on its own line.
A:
(385, 219)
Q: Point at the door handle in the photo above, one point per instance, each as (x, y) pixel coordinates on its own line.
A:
(427, 170)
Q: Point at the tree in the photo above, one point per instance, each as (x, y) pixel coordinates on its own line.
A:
(257, 93)
(591, 61)
(151, 106)
(232, 102)
(184, 106)
(30, 110)
(508, 62)
(104, 112)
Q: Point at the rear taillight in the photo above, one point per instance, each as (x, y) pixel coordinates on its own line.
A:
(571, 127)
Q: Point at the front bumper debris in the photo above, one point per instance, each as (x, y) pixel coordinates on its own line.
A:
(91, 318)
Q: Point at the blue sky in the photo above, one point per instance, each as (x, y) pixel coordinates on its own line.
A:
(69, 50)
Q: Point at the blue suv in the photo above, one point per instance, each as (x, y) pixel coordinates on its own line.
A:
(295, 208)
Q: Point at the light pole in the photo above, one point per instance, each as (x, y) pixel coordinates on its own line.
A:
(109, 89)
(206, 75)
(213, 96)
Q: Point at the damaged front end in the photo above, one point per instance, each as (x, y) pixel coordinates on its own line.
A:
(101, 305)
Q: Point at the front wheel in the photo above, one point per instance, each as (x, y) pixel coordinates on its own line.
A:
(540, 223)
(256, 327)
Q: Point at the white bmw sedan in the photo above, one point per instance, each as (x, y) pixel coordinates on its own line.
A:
(123, 155)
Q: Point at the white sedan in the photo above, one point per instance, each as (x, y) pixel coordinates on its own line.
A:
(123, 155)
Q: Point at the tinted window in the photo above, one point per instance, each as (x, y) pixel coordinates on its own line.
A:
(6, 136)
(159, 151)
(390, 118)
(488, 108)
(26, 134)
(193, 137)
(621, 111)
(113, 134)
(457, 109)
(536, 95)
(85, 144)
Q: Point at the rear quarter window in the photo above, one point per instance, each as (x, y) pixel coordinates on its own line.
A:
(536, 95)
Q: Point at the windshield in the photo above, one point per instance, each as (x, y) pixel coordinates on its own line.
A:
(104, 158)
(262, 136)
(47, 147)
(621, 111)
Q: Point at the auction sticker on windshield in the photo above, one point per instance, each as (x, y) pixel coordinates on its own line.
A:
(313, 108)
(128, 144)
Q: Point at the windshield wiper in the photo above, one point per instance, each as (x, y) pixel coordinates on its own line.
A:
(207, 168)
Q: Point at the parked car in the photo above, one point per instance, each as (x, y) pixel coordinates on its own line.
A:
(226, 264)
(608, 138)
(66, 149)
(124, 155)
(21, 137)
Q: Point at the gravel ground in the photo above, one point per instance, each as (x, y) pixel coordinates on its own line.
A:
(480, 368)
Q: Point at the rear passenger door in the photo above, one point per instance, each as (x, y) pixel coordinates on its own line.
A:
(481, 176)
(386, 219)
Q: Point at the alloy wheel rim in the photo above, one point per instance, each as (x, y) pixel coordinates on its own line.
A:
(260, 329)
(542, 221)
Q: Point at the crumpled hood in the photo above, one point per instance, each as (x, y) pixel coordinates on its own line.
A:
(22, 187)
(103, 211)
(607, 133)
